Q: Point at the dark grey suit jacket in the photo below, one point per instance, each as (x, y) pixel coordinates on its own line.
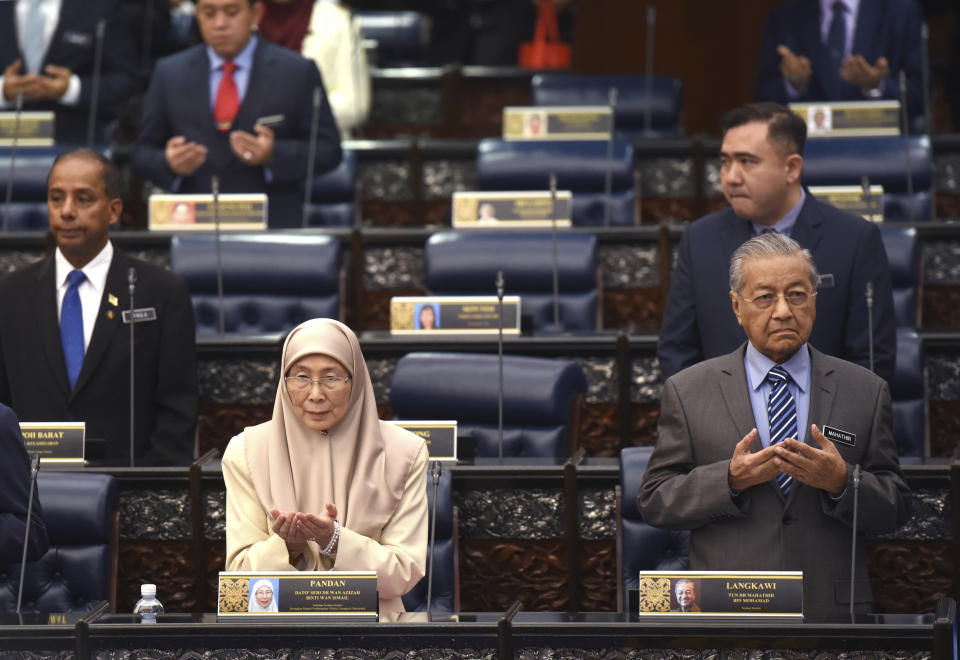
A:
(705, 411)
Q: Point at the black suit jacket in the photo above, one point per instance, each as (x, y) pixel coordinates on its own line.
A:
(14, 496)
(33, 375)
(698, 321)
(884, 28)
(281, 83)
(73, 46)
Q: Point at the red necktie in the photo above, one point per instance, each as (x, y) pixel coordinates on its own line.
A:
(228, 100)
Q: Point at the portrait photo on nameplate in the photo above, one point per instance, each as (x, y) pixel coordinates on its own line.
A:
(587, 122)
(31, 129)
(749, 594)
(297, 596)
(244, 211)
(453, 315)
(849, 118)
(511, 209)
(441, 436)
(56, 442)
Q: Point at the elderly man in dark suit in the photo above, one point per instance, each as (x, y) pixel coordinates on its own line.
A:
(757, 449)
(64, 344)
(761, 167)
(237, 107)
(15, 497)
(48, 52)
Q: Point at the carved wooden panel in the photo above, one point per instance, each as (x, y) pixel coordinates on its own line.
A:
(640, 307)
(944, 428)
(496, 572)
(941, 306)
(216, 562)
(217, 423)
(393, 213)
(168, 564)
(598, 576)
(910, 576)
(654, 210)
(644, 428)
(948, 205)
(600, 429)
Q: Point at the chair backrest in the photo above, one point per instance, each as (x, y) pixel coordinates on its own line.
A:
(467, 263)
(883, 160)
(903, 253)
(444, 598)
(909, 394)
(80, 568)
(540, 397)
(402, 37)
(581, 167)
(333, 201)
(664, 100)
(642, 547)
(271, 282)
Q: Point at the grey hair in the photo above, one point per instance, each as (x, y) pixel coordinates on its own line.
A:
(768, 245)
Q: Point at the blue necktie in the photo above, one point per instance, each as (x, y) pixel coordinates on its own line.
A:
(782, 415)
(33, 49)
(836, 45)
(71, 327)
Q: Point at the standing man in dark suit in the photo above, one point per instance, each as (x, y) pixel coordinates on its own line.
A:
(64, 345)
(842, 50)
(15, 497)
(237, 107)
(757, 448)
(760, 171)
(48, 52)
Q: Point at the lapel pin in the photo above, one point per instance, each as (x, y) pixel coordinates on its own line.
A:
(112, 299)
(110, 314)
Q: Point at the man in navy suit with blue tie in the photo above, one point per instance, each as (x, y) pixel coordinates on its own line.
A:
(237, 107)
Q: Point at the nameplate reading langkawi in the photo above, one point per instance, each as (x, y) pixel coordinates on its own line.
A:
(441, 436)
(754, 594)
(866, 203)
(296, 595)
(455, 315)
(849, 118)
(198, 212)
(56, 442)
(34, 129)
(511, 210)
(588, 122)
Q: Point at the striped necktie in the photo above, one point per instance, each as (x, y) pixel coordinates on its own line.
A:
(782, 415)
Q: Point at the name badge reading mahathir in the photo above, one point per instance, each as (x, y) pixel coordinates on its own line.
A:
(838, 435)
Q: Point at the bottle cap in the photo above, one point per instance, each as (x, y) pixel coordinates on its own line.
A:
(148, 591)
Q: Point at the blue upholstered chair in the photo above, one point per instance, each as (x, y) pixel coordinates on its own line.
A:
(80, 568)
(333, 201)
(28, 211)
(402, 36)
(581, 167)
(446, 594)
(541, 399)
(467, 263)
(909, 394)
(641, 547)
(665, 100)
(903, 253)
(843, 161)
(271, 283)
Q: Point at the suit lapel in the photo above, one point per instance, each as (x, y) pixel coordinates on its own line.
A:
(740, 231)
(813, 47)
(197, 77)
(808, 229)
(870, 16)
(733, 388)
(256, 84)
(108, 319)
(48, 326)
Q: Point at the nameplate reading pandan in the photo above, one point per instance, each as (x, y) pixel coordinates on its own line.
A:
(759, 594)
(455, 315)
(56, 442)
(441, 436)
(35, 129)
(849, 118)
(197, 212)
(589, 122)
(839, 435)
(868, 203)
(511, 210)
(296, 595)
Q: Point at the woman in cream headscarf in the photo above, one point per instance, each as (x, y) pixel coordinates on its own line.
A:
(325, 485)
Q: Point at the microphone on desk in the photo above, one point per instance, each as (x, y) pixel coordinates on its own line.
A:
(867, 193)
(853, 544)
(132, 284)
(311, 156)
(433, 535)
(215, 187)
(95, 80)
(34, 469)
(500, 286)
(13, 158)
(555, 264)
(608, 176)
(869, 295)
(648, 83)
(908, 168)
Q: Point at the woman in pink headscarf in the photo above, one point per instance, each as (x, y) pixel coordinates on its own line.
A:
(325, 485)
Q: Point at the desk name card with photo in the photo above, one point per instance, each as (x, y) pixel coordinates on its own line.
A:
(752, 594)
(511, 210)
(35, 129)
(441, 436)
(454, 315)
(588, 122)
(56, 442)
(297, 595)
(849, 118)
(244, 211)
(866, 204)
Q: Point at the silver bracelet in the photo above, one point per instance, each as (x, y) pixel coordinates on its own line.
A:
(331, 549)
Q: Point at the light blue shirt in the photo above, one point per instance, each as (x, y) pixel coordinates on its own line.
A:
(785, 224)
(850, 16)
(757, 366)
(241, 75)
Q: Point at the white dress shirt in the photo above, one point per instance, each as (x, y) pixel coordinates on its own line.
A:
(90, 290)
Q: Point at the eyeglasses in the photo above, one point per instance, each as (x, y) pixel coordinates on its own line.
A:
(328, 383)
(793, 298)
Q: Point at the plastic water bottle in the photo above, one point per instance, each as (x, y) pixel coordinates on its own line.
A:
(148, 607)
